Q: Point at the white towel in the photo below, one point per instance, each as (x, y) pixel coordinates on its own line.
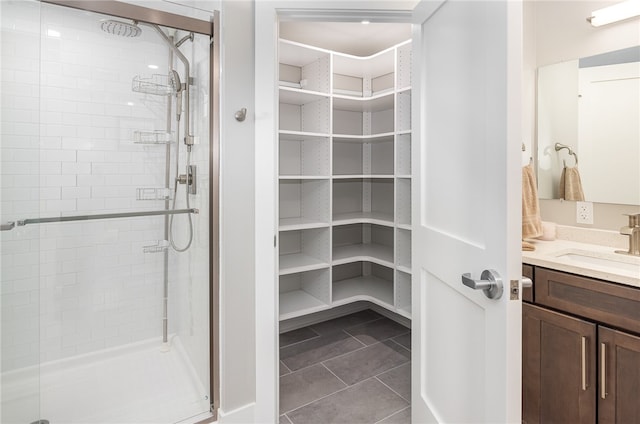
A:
(571, 185)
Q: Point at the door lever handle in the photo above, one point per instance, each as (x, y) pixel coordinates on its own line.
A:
(490, 283)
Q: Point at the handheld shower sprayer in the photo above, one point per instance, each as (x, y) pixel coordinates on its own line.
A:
(174, 79)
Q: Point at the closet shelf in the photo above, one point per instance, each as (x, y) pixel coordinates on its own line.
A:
(363, 218)
(402, 132)
(404, 226)
(292, 224)
(408, 177)
(404, 269)
(298, 302)
(360, 95)
(363, 288)
(294, 96)
(361, 176)
(300, 262)
(376, 253)
(364, 104)
(301, 135)
(303, 177)
(404, 89)
(373, 138)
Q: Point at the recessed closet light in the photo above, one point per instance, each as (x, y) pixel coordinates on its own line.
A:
(365, 22)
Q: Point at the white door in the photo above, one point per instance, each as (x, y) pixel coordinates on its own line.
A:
(466, 213)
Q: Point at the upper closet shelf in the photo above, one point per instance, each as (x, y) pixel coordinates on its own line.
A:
(364, 218)
(373, 138)
(294, 96)
(292, 224)
(363, 176)
(373, 66)
(364, 104)
(301, 135)
(296, 54)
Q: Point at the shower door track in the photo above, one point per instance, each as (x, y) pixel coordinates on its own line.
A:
(12, 224)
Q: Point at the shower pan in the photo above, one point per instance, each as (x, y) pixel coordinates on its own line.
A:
(108, 218)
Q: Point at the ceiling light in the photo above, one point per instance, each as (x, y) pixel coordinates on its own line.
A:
(153, 66)
(53, 33)
(617, 12)
(365, 22)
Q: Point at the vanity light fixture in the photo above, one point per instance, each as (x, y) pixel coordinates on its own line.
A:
(618, 12)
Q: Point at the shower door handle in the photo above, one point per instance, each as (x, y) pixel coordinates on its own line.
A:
(12, 224)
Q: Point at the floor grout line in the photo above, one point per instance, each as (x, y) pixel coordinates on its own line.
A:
(385, 385)
(334, 374)
(397, 412)
(326, 396)
(296, 343)
(364, 346)
(288, 369)
(408, 350)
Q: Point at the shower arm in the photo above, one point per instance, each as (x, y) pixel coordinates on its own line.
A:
(188, 138)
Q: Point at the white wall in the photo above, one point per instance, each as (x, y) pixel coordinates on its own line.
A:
(557, 31)
(238, 279)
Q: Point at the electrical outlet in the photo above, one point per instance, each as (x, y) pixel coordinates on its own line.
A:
(584, 212)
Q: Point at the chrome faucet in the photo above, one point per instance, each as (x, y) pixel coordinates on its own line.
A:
(633, 231)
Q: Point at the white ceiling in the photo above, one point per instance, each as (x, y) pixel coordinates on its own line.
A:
(346, 37)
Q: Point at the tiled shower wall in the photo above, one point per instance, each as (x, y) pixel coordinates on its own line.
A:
(68, 117)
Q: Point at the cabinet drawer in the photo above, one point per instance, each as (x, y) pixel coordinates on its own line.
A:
(527, 292)
(598, 300)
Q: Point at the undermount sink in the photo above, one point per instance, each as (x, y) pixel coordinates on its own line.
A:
(612, 261)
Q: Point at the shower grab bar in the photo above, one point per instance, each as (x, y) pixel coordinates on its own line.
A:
(12, 224)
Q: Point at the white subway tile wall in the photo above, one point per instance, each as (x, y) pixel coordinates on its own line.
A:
(68, 119)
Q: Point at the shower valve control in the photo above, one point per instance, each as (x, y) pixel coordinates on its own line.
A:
(189, 178)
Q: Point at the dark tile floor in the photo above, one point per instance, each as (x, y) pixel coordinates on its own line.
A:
(349, 370)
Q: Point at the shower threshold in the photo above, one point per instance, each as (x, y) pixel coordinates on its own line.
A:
(134, 383)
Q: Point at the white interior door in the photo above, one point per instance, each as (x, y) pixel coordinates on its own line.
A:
(466, 213)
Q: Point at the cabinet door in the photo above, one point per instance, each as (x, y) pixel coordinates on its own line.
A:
(619, 372)
(558, 367)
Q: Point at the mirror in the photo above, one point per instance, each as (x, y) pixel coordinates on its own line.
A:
(592, 106)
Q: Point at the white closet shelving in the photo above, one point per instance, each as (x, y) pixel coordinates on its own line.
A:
(344, 179)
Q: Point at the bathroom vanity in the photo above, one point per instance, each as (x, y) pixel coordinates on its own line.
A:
(580, 334)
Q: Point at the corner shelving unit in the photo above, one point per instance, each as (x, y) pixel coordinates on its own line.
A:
(344, 179)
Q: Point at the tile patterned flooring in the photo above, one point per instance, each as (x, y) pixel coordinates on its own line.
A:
(349, 370)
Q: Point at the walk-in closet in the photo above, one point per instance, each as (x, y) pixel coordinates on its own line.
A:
(344, 220)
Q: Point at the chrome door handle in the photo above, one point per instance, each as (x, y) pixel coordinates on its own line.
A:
(526, 282)
(490, 282)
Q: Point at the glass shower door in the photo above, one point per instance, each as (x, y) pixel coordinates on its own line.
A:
(19, 198)
(105, 285)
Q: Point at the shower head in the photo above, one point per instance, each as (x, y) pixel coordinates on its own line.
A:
(123, 29)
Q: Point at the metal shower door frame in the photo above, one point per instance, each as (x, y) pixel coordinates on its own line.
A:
(210, 28)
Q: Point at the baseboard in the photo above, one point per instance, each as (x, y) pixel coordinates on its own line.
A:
(243, 415)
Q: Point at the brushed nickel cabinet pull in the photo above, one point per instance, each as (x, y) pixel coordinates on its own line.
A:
(584, 363)
(603, 370)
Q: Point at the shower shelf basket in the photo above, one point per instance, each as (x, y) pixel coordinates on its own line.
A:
(152, 137)
(156, 84)
(151, 193)
(159, 247)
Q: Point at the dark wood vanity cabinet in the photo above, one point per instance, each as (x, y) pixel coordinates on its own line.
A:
(558, 368)
(575, 367)
(619, 375)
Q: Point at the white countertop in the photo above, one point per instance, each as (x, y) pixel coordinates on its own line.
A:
(548, 254)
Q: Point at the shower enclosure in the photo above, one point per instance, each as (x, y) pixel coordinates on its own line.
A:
(108, 210)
